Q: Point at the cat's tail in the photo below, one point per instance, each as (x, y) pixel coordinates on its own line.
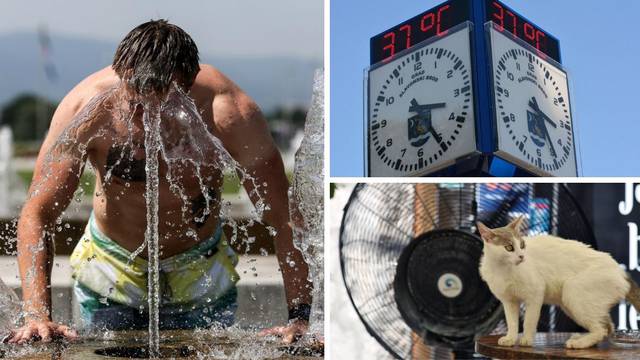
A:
(633, 296)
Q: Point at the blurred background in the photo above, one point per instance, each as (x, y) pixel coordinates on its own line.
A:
(270, 49)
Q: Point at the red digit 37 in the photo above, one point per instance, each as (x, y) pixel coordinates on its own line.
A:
(391, 47)
(499, 15)
(407, 28)
(426, 24)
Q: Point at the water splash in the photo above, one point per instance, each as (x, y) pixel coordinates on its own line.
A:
(9, 308)
(307, 201)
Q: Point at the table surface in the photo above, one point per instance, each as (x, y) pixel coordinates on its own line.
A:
(551, 346)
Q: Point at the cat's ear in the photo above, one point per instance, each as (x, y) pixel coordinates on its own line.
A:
(485, 233)
(516, 224)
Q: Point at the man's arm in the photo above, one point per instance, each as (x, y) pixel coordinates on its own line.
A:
(54, 182)
(244, 133)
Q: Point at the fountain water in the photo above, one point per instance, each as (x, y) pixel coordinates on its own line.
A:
(6, 153)
(152, 145)
(307, 200)
(9, 308)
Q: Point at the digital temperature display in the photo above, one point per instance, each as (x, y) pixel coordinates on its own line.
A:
(433, 22)
(438, 20)
(510, 21)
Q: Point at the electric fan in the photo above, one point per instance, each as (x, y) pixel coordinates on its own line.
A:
(410, 253)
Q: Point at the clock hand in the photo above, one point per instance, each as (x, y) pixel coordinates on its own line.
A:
(534, 105)
(546, 132)
(435, 134)
(553, 150)
(415, 107)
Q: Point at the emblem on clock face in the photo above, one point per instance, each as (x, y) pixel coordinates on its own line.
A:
(421, 110)
(533, 112)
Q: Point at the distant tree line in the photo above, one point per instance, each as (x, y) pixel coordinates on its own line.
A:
(296, 115)
(29, 117)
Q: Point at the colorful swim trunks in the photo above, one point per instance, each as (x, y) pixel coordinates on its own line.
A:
(198, 282)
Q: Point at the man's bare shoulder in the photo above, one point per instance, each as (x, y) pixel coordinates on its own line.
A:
(228, 99)
(81, 95)
(91, 86)
(86, 89)
(214, 81)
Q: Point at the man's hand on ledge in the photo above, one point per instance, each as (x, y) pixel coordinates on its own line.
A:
(41, 330)
(289, 333)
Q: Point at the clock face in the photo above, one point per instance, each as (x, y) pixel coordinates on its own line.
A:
(532, 109)
(420, 114)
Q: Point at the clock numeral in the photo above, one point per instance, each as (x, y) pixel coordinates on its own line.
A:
(420, 153)
(555, 102)
(404, 151)
(512, 117)
(525, 138)
(390, 100)
(449, 74)
(417, 66)
(383, 123)
(531, 67)
(435, 63)
(510, 76)
(400, 81)
(560, 142)
(456, 92)
(539, 152)
(452, 117)
(506, 93)
(518, 66)
(389, 142)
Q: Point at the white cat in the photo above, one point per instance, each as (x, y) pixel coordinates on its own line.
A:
(544, 269)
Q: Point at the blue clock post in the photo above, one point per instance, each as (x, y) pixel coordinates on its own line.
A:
(468, 88)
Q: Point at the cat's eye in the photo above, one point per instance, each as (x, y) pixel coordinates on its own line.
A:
(522, 246)
(509, 248)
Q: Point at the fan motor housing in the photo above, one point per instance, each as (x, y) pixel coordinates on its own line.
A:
(439, 291)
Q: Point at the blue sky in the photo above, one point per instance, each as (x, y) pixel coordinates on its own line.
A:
(600, 49)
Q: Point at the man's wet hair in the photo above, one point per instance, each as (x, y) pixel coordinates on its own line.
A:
(154, 54)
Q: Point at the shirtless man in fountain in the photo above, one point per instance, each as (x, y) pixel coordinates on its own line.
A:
(197, 266)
